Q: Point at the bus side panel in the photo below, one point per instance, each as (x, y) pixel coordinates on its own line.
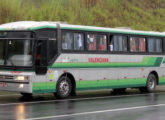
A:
(101, 71)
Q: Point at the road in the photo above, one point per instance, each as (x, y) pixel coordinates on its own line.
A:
(101, 105)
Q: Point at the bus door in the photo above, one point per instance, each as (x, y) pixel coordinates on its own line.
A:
(41, 57)
(40, 65)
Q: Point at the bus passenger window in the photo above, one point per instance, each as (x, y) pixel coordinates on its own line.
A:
(72, 41)
(102, 40)
(163, 45)
(154, 45)
(118, 43)
(67, 41)
(111, 45)
(78, 41)
(137, 44)
(91, 42)
(142, 44)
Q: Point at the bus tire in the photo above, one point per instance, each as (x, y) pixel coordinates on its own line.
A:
(26, 94)
(150, 85)
(63, 87)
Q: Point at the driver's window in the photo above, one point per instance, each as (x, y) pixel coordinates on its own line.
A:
(50, 35)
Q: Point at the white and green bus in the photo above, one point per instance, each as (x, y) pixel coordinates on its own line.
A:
(42, 57)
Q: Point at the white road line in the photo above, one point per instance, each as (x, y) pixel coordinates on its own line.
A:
(77, 99)
(96, 112)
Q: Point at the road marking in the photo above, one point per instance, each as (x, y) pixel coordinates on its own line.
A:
(96, 112)
(77, 99)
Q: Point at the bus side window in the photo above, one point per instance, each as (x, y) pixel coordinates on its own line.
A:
(137, 44)
(72, 41)
(91, 42)
(78, 41)
(67, 41)
(102, 42)
(163, 44)
(111, 43)
(118, 43)
(154, 45)
(96, 42)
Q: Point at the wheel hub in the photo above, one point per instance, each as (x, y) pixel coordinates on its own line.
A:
(64, 87)
(151, 83)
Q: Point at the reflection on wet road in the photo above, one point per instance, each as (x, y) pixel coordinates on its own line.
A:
(92, 106)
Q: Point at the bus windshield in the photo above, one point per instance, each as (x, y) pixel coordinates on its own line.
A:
(16, 49)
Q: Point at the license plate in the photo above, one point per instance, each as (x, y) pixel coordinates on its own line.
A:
(3, 84)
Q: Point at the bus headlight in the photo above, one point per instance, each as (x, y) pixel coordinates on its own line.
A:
(21, 85)
(21, 78)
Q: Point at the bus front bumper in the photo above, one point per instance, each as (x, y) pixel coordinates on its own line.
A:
(16, 83)
(16, 87)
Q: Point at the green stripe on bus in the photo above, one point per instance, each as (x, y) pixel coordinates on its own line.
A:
(42, 27)
(146, 62)
(158, 61)
(112, 31)
(164, 60)
(43, 87)
(103, 84)
(161, 80)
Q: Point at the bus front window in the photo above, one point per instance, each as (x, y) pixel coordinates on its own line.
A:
(16, 49)
(2, 52)
(20, 53)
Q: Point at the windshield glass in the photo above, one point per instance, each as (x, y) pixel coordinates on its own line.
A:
(16, 49)
(19, 53)
(2, 52)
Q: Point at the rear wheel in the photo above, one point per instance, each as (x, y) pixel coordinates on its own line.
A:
(63, 87)
(150, 85)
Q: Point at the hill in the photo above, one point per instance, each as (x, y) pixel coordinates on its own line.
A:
(136, 14)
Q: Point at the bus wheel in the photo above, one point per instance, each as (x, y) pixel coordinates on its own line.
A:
(26, 94)
(64, 87)
(150, 85)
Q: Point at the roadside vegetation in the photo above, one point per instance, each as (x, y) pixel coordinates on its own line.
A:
(135, 14)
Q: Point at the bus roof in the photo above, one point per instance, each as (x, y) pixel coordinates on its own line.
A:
(28, 25)
(34, 25)
(112, 30)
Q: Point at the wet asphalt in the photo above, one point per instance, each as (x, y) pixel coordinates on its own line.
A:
(98, 105)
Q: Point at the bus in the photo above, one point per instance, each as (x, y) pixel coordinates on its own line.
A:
(59, 58)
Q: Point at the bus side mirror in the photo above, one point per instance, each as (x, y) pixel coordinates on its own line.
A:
(41, 57)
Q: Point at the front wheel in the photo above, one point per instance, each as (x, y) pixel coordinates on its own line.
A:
(63, 87)
(150, 85)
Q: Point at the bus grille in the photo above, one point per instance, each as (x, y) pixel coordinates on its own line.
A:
(6, 77)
